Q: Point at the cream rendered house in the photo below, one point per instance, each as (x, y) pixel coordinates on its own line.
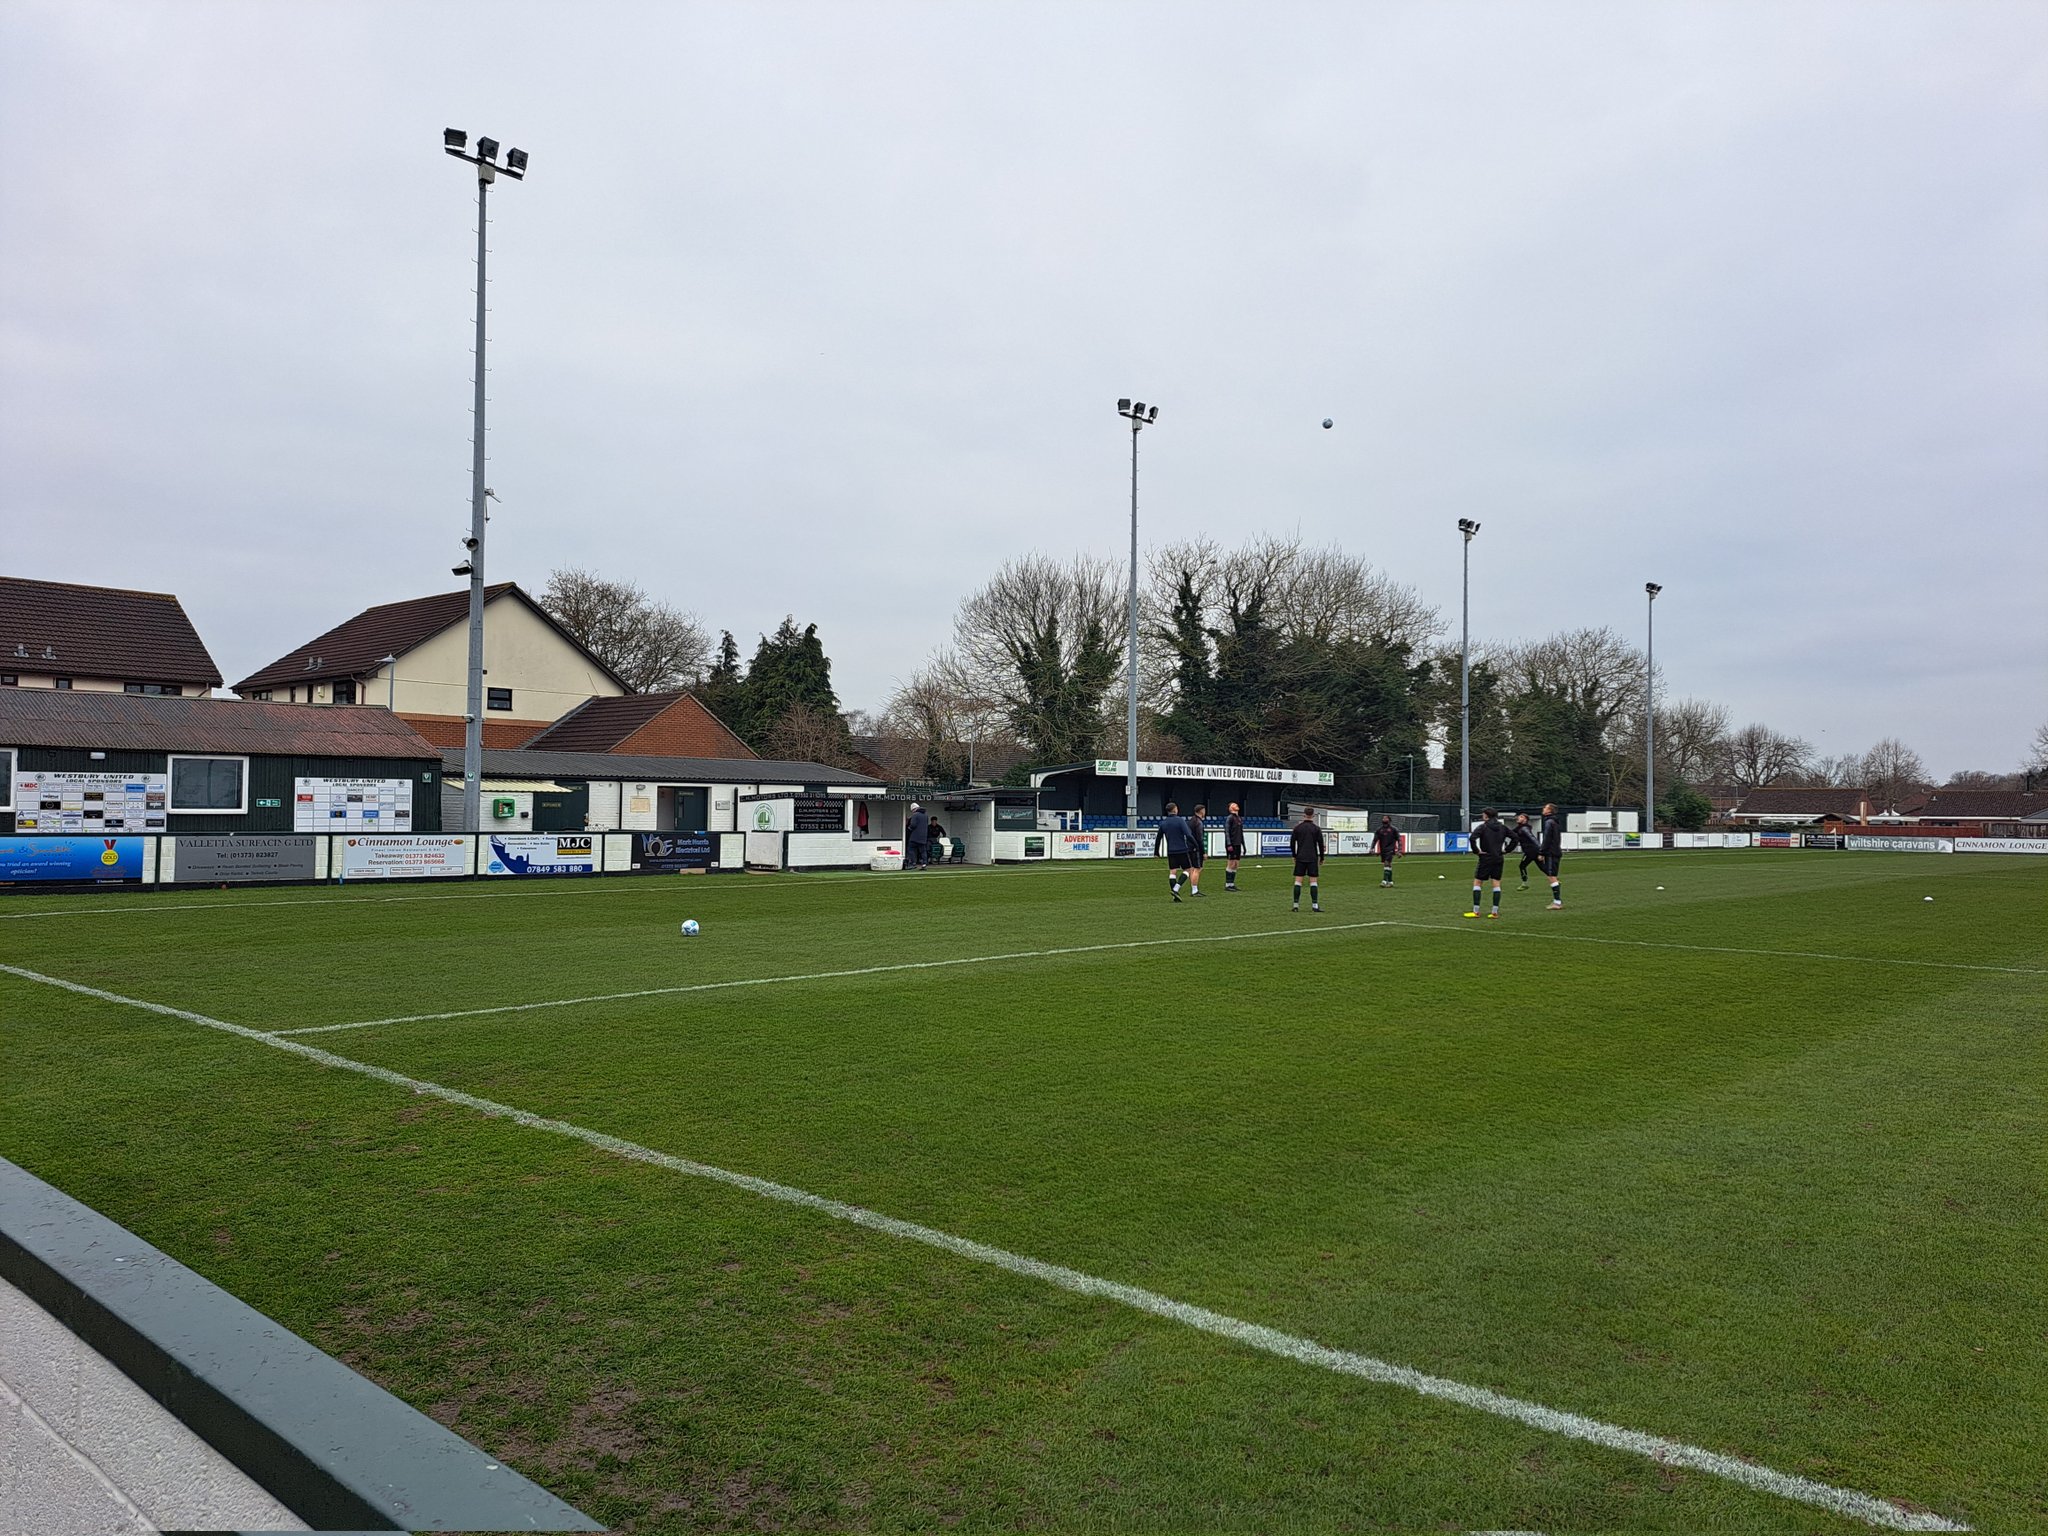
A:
(413, 657)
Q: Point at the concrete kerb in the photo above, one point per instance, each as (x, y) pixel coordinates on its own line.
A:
(336, 1449)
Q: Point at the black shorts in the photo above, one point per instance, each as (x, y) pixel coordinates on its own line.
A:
(1490, 866)
(1387, 859)
(1177, 860)
(1194, 858)
(1309, 867)
(1547, 862)
(1233, 850)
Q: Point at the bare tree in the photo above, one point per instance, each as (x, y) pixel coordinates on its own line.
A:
(1692, 740)
(1893, 771)
(649, 645)
(1758, 755)
(2038, 759)
(1844, 771)
(1040, 643)
(1979, 778)
(807, 734)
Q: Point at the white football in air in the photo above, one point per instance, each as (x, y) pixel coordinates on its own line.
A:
(1927, 898)
(690, 928)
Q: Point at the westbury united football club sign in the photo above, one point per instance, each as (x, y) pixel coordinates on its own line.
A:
(1115, 768)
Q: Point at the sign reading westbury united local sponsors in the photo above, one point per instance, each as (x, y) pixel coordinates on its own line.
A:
(1116, 768)
(90, 802)
(351, 805)
(419, 857)
(541, 853)
(70, 858)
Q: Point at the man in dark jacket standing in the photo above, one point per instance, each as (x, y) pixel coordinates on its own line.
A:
(1551, 842)
(1233, 846)
(1490, 841)
(918, 836)
(1177, 838)
(1386, 842)
(1307, 842)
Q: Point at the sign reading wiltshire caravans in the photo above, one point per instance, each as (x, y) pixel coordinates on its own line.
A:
(1115, 768)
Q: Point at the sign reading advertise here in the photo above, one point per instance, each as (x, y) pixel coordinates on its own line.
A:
(419, 857)
(541, 853)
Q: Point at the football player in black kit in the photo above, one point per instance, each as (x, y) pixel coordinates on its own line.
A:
(1531, 850)
(1552, 845)
(1490, 841)
(1386, 842)
(1233, 847)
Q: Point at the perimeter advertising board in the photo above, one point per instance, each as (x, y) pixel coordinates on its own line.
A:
(90, 802)
(2002, 845)
(672, 852)
(817, 813)
(1276, 843)
(540, 853)
(71, 858)
(1857, 843)
(1080, 845)
(1132, 845)
(403, 858)
(243, 858)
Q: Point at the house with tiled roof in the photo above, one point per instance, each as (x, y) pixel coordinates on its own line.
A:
(62, 635)
(413, 657)
(1985, 807)
(647, 724)
(1790, 805)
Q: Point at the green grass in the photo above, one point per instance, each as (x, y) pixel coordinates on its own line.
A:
(1777, 1194)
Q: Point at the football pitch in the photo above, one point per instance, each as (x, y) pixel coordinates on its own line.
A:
(1025, 1198)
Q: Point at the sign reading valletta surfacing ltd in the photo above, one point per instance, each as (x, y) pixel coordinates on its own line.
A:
(1117, 767)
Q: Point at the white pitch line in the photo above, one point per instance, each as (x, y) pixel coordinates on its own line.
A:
(1675, 1453)
(863, 970)
(1724, 949)
(504, 888)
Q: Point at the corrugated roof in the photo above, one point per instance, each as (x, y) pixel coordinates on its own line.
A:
(103, 632)
(48, 717)
(609, 766)
(358, 646)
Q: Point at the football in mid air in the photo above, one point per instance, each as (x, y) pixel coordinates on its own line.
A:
(690, 928)
(1328, 423)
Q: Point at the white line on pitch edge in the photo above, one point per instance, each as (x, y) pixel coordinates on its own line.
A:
(1724, 949)
(1784, 1485)
(863, 970)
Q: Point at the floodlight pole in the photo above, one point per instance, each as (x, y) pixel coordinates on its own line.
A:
(1650, 710)
(1140, 416)
(487, 169)
(1468, 528)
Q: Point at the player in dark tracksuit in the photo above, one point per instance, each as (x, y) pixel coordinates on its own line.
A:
(1307, 842)
(1176, 838)
(1531, 850)
(1198, 828)
(1490, 840)
(1551, 843)
(1233, 847)
(1386, 842)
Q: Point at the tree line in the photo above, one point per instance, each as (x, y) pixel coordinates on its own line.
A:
(1270, 654)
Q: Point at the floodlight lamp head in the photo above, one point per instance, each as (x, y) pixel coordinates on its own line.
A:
(463, 569)
(1137, 410)
(1123, 407)
(1653, 589)
(454, 140)
(515, 161)
(1152, 413)
(487, 149)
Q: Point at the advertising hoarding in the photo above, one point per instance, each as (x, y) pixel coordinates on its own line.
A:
(671, 852)
(419, 857)
(1117, 768)
(1859, 843)
(351, 805)
(71, 858)
(88, 803)
(2002, 845)
(1271, 844)
(1080, 845)
(540, 853)
(817, 813)
(244, 858)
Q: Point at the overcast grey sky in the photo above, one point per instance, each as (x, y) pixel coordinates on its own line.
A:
(824, 309)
